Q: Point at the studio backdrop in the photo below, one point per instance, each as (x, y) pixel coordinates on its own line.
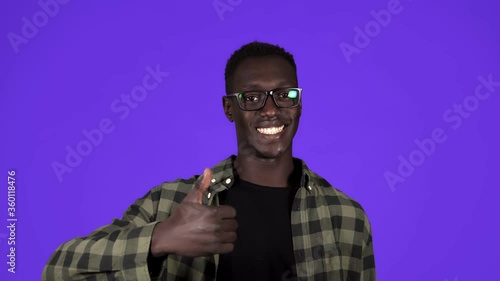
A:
(100, 102)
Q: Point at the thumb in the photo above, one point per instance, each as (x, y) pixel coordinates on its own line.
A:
(201, 185)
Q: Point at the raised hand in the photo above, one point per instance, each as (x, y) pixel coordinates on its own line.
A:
(194, 229)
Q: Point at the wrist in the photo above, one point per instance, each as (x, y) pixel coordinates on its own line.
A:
(159, 245)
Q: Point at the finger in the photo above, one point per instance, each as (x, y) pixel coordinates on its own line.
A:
(222, 243)
(201, 185)
(227, 237)
(226, 212)
(224, 248)
(229, 225)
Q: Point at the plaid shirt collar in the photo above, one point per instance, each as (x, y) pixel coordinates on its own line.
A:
(224, 176)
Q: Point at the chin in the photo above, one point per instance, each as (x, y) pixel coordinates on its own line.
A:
(270, 151)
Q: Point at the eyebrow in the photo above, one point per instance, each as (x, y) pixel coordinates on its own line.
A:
(258, 87)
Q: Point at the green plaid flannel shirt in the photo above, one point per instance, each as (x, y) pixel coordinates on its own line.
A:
(331, 237)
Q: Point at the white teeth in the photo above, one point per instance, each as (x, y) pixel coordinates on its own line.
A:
(271, 131)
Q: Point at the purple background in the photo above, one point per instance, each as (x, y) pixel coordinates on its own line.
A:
(360, 112)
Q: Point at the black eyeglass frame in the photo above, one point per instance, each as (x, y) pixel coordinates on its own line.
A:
(267, 93)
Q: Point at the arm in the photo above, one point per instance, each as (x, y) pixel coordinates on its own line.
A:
(134, 247)
(114, 251)
(368, 258)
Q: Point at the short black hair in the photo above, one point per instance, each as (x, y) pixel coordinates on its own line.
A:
(254, 49)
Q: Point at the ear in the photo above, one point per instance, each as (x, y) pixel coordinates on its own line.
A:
(228, 108)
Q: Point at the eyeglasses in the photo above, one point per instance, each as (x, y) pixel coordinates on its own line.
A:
(255, 100)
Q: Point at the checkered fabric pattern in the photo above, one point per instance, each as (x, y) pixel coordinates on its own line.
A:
(331, 236)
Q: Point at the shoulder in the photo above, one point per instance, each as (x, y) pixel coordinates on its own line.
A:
(338, 202)
(174, 190)
(331, 191)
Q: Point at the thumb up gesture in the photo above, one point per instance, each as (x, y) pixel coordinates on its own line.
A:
(194, 229)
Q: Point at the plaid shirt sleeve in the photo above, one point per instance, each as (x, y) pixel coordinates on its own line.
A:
(368, 257)
(331, 234)
(355, 239)
(354, 236)
(118, 251)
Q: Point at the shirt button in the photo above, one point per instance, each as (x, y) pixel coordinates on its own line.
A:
(213, 180)
(228, 181)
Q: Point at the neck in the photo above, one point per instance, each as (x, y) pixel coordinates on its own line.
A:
(273, 172)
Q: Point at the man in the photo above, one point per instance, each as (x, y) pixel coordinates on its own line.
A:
(260, 215)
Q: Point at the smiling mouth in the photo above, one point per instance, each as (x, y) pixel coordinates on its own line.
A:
(271, 130)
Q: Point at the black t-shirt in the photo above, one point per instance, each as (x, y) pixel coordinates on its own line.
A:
(263, 249)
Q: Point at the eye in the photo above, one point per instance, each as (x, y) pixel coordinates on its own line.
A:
(288, 94)
(250, 97)
(283, 95)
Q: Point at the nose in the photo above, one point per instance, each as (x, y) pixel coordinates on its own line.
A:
(270, 108)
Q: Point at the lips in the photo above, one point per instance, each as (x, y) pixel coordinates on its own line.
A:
(271, 130)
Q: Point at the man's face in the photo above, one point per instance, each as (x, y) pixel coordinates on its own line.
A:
(253, 128)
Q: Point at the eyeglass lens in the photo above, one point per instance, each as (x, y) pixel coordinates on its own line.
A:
(255, 100)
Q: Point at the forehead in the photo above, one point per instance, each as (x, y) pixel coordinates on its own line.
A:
(264, 72)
